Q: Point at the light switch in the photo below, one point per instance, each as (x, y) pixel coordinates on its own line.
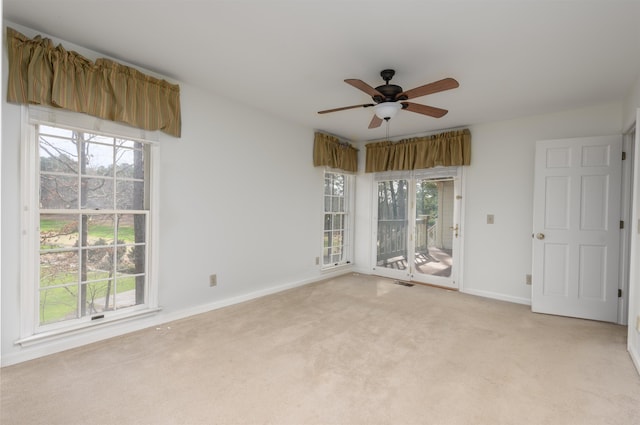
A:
(489, 218)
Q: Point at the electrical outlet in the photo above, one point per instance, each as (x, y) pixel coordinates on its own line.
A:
(490, 219)
(213, 280)
(527, 279)
(638, 323)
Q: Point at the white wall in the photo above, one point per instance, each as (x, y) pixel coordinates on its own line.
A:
(499, 181)
(239, 197)
(364, 259)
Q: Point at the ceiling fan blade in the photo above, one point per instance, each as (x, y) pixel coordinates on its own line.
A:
(366, 105)
(435, 87)
(424, 109)
(375, 122)
(361, 85)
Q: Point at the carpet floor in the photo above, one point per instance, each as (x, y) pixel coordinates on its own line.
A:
(350, 350)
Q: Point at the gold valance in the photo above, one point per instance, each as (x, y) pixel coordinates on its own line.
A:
(42, 74)
(444, 149)
(329, 151)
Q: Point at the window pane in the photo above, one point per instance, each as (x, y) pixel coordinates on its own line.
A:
(58, 155)
(131, 228)
(58, 192)
(99, 262)
(99, 297)
(337, 204)
(58, 268)
(130, 260)
(129, 162)
(98, 138)
(130, 195)
(126, 292)
(100, 229)
(337, 239)
(98, 160)
(328, 220)
(58, 304)
(58, 231)
(338, 185)
(338, 222)
(327, 185)
(97, 193)
(327, 239)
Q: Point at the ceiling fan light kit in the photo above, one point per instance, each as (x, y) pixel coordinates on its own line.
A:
(387, 110)
(390, 98)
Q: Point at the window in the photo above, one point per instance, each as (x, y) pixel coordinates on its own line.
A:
(337, 246)
(90, 203)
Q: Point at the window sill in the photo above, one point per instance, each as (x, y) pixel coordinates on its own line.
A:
(333, 268)
(57, 334)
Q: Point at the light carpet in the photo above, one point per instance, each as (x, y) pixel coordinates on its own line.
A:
(350, 350)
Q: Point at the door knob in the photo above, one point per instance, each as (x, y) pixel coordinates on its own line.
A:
(540, 236)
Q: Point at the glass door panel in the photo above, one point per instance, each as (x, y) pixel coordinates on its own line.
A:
(393, 225)
(435, 230)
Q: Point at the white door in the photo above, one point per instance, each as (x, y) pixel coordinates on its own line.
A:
(418, 233)
(576, 227)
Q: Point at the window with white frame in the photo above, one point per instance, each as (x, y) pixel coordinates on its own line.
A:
(87, 257)
(338, 220)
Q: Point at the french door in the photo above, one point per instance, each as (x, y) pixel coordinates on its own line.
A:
(417, 231)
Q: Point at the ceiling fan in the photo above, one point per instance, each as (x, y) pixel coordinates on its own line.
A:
(390, 98)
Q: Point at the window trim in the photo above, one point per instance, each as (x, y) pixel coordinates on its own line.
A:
(31, 331)
(349, 203)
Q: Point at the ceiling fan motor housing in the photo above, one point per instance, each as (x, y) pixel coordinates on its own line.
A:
(389, 93)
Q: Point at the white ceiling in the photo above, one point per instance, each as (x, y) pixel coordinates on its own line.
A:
(289, 57)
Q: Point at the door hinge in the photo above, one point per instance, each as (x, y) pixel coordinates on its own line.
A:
(619, 293)
(622, 224)
(624, 156)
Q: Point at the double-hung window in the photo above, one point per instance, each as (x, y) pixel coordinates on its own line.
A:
(88, 227)
(338, 219)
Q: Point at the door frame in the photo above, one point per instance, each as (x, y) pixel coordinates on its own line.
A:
(626, 213)
(456, 173)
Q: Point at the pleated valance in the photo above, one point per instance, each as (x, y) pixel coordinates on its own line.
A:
(329, 151)
(42, 74)
(444, 149)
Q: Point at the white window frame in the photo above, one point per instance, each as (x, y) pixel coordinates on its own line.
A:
(31, 331)
(349, 220)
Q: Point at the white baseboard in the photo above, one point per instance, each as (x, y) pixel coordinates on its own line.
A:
(36, 350)
(192, 311)
(635, 356)
(497, 296)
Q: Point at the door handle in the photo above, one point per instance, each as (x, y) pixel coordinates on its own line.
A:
(540, 236)
(455, 230)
